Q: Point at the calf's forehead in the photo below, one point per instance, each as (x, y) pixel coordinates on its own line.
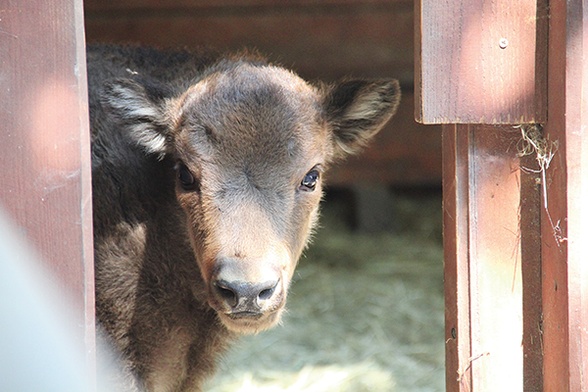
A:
(250, 110)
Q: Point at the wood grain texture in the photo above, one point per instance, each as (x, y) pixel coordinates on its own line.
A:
(114, 5)
(483, 258)
(564, 229)
(481, 62)
(456, 259)
(325, 43)
(44, 143)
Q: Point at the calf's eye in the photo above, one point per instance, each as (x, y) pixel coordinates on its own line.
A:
(308, 183)
(187, 180)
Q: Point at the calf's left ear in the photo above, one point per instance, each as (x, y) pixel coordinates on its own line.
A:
(357, 109)
(139, 106)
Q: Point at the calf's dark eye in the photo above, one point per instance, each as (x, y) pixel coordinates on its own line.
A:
(187, 180)
(308, 183)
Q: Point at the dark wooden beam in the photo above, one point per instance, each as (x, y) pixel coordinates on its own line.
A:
(456, 259)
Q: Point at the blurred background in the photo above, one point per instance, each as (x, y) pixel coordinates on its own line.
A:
(366, 308)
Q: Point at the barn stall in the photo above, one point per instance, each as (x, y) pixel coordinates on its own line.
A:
(361, 316)
(541, 277)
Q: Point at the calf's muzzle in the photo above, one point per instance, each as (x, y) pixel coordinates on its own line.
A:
(248, 294)
(246, 298)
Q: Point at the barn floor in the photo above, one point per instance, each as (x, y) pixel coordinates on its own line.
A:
(365, 312)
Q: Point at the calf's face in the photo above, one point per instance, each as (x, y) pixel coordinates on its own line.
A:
(250, 144)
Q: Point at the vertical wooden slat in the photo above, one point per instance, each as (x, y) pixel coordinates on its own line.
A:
(564, 229)
(456, 259)
(530, 233)
(44, 143)
(479, 62)
(495, 259)
(483, 258)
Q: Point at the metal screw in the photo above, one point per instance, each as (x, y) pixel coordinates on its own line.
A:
(503, 43)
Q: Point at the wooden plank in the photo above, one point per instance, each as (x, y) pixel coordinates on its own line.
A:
(564, 230)
(113, 5)
(456, 259)
(530, 237)
(547, 226)
(44, 143)
(319, 45)
(495, 259)
(483, 258)
(478, 61)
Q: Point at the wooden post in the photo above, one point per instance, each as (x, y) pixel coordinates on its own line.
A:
(485, 256)
(516, 274)
(564, 214)
(45, 145)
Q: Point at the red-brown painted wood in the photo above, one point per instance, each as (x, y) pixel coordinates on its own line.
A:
(44, 143)
(487, 251)
(478, 61)
(515, 213)
(530, 248)
(141, 5)
(564, 229)
(456, 259)
(326, 43)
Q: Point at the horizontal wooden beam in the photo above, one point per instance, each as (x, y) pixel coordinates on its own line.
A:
(326, 46)
(128, 5)
(481, 61)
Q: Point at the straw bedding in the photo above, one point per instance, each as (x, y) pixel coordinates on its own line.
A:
(365, 312)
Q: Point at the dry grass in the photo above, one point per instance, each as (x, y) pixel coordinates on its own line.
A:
(365, 314)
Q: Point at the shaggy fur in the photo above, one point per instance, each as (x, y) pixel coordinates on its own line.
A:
(207, 176)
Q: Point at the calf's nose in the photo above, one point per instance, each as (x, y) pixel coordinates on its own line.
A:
(245, 296)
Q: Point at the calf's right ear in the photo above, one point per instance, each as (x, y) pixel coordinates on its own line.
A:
(357, 109)
(139, 107)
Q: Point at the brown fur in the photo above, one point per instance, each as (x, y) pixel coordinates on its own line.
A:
(207, 176)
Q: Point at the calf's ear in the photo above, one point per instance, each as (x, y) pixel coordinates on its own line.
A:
(357, 109)
(139, 107)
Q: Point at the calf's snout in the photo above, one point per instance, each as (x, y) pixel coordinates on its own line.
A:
(247, 287)
(246, 297)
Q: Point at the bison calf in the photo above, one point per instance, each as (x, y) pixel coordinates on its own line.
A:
(207, 176)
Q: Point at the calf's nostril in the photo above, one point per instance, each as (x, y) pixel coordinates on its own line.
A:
(226, 293)
(267, 293)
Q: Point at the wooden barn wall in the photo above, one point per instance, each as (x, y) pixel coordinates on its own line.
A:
(45, 184)
(509, 80)
(319, 39)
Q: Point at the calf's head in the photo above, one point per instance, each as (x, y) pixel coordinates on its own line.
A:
(250, 143)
